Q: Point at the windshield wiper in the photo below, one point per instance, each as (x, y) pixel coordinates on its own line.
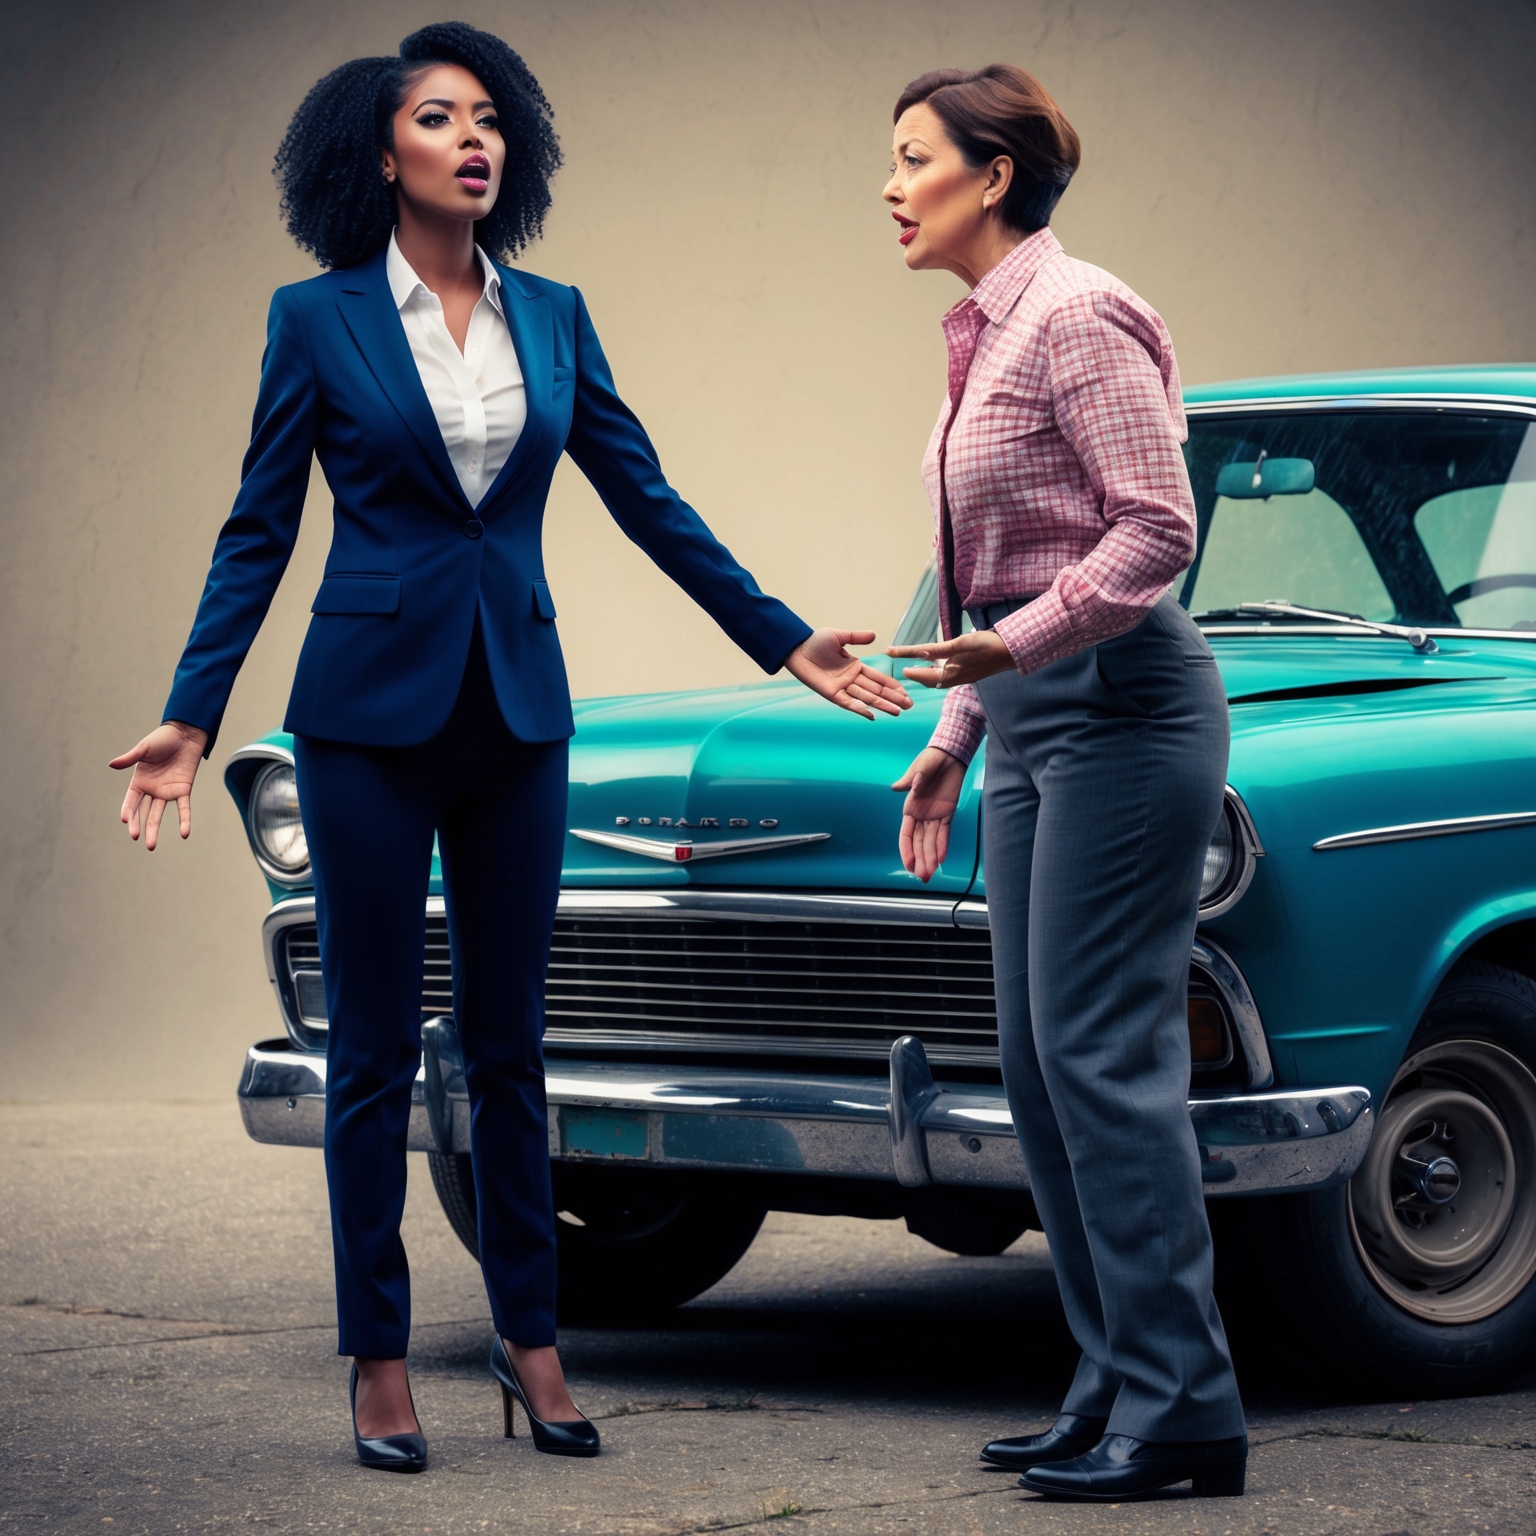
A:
(1415, 637)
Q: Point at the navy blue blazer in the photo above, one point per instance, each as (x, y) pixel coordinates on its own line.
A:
(411, 562)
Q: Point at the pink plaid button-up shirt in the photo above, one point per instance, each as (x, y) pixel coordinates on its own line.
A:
(1062, 464)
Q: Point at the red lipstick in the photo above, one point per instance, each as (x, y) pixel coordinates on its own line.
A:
(908, 229)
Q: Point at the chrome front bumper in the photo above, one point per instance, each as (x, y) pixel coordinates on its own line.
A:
(912, 1130)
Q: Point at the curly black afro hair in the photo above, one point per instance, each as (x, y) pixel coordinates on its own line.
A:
(334, 198)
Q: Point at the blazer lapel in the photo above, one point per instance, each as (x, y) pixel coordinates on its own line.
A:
(368, 308)
(533, 337)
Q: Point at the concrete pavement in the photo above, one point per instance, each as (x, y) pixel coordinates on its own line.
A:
(166, 1364)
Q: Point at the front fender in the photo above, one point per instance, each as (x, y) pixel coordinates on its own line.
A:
(1344, 949)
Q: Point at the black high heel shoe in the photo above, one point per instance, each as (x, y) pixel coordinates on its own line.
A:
(392, 1453)
(579, 1437)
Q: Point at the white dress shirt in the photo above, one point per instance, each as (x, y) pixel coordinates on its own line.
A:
(477, 395)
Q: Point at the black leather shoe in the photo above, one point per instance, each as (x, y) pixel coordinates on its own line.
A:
(578, 1437)
(1120, 1467)
(1071, 1435)
(392, 1453)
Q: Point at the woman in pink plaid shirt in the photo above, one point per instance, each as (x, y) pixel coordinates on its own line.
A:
(1063, 514)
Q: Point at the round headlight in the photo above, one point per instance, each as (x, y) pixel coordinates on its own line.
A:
(1230, 860)
(277, 833)
(1219, 859)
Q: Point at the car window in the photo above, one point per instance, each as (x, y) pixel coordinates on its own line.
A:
(1418, 515)
(1482, 542)
(1423, 515)
(1302, 549)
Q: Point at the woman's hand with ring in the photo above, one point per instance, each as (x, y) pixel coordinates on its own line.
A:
(966, 659)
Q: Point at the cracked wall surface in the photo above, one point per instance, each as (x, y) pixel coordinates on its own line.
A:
(1308, 185)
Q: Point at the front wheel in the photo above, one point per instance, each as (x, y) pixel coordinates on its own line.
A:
(629, 1243)
(1420, 1274)
(974, 1223)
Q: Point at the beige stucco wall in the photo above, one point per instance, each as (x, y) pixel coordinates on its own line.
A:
(1295, 184)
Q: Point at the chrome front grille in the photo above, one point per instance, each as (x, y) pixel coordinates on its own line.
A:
(810, 988)
(819, 988)
(772, 977)
(299, 947)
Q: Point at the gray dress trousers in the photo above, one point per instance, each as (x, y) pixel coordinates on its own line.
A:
(1104, 781)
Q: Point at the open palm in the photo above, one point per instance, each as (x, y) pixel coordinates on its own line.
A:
(824, 664)
(164, 766)
(933, 785)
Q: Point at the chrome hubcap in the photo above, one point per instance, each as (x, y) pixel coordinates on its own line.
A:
(1443, 1209)
(1435, 1180)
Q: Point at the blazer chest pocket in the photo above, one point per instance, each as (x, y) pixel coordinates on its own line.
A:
(543, 603)
(357, 594)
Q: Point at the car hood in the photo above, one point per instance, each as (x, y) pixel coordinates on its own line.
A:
(771, 755)
(1335, 734)
(1256, 668)
(1330, 734)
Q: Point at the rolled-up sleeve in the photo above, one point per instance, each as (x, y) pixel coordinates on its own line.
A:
(1110, 368)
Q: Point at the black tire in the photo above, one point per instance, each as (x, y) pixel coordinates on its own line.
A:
(630, 1243)
(1348, 1273)
(967, 1221)
(454, 1180)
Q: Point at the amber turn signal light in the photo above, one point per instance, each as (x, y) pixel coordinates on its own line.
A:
(1207, 1031)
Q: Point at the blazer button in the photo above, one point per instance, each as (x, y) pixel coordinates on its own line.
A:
(473, 528)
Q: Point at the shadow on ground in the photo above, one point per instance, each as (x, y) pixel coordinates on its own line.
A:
(166, 1364)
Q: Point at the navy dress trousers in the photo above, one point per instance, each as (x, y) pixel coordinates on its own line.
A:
(431, 701)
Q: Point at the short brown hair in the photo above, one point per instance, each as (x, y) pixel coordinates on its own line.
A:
(1004, 110)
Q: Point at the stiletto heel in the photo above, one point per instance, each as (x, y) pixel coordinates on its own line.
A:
(1220, 1482)
(390, 1453)
(579, 1437)
(506, 1407)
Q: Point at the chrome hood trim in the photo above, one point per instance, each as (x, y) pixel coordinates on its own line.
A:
(1410, 830)
(1483, 404)
(684, 850)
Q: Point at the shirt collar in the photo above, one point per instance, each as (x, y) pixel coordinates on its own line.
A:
(403, 281)
(997, 293)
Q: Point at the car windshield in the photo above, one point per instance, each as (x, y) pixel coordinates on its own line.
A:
(1405, 517)
(1415, 517)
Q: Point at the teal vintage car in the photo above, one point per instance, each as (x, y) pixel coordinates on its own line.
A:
(751, 1006)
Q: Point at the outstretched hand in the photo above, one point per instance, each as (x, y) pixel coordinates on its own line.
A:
(164, 765)
(823, 663)
(933, 785)
(965, 659)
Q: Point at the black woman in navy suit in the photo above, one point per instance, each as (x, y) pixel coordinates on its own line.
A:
(438, 387)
